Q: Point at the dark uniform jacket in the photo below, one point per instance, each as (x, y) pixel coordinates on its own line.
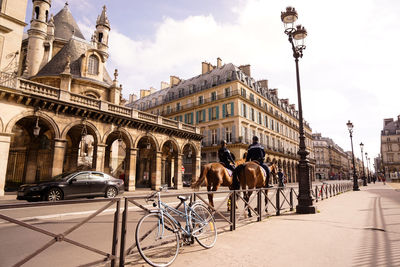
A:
(225, 156)
(255, 152)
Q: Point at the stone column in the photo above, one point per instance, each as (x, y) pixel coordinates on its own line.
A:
(5, 140)
(178, 172)
(156, 174)
(197, 168)
(132, 170)
(163, 180)
(101, 149)
(58, 156)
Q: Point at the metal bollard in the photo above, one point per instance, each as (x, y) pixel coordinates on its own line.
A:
(115, 232)
(259, 209)
(278, 202)
(291, 199)
(233, 211)
(316, 193)
(123, 234)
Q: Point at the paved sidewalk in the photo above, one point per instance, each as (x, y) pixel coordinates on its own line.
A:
(351, 229)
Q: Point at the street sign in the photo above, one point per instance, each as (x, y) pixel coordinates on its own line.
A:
(183, 169)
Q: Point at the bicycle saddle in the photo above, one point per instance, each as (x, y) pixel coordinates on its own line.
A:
(183, 198)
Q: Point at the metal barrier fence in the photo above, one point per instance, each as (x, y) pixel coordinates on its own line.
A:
(243, 208)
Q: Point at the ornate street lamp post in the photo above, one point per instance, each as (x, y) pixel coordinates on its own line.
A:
(368, 166)
(355, 182)
(296, 39)
(364, 178)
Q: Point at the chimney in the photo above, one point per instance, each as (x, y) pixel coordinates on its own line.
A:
(152, 90)
(164, 85)
(204, 67)
(132, 98)
(144, 93)
(398, 118)
(245, 69)
(274, 92)
(387, 121)
(219, 62)
(174, 80)
(263, 83)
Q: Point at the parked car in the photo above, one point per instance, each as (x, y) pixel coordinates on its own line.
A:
(72, 185)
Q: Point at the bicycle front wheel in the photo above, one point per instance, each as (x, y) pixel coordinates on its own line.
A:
(157, 239)
(203, 224)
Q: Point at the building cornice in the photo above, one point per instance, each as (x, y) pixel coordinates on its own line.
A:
(12, 19)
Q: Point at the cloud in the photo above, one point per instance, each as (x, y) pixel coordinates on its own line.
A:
(348, 71)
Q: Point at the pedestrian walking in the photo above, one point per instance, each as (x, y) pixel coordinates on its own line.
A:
(281, 178)
(384, 180)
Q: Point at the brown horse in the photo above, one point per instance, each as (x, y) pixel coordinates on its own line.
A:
(274, 173)
(251, 176)
(213, 175)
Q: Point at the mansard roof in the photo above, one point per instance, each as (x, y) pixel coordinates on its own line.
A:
(65, 25)
(217, 76)
(74, 49)
(391, 127)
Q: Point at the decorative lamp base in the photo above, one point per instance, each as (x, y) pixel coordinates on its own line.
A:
(306, 209)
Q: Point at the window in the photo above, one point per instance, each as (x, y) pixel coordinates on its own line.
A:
(215, 79)
(228, 134)
(244, 110)
(202, 115)
(252, 114)
(214, 112)
(100, 37)
(272, 124)
(252, 97)
(390, 157)
(168, 109)
(389, 146)
(227, 92)
(93, 65)
(82, 176)
(178, 106)
(201, 100)
(37, 11)
(259, 118)
(266, 121)
(213, 96)
(259, 102)
(243, 92)
(214, 136)
(228, 109)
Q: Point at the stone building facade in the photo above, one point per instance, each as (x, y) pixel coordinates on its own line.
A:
(228, 104)
(65, 113)
(390, 149)
(332, 162)
(12, 23)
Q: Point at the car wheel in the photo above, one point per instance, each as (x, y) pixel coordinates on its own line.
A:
(111, 192)
(54, 194)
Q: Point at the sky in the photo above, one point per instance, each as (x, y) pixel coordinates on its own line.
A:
(348, 71)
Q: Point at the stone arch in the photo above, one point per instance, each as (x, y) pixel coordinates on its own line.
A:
(124, 132)
(149, 135)
(79, 122)
(1, 125)
(196, 150)
(173, 140)
(49, 120)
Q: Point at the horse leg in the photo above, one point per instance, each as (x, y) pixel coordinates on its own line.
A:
(266, 201)
(210, 196)
(247, 198)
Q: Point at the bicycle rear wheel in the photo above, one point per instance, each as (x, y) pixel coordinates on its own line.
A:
(203, 224)
(157, 243)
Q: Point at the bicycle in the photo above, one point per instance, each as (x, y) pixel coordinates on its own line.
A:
(158, 234)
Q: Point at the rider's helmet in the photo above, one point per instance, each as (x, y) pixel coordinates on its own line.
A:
(223, 142)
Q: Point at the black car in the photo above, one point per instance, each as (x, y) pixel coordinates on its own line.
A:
(71, 185)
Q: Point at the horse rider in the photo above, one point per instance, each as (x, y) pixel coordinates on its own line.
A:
(256, 153)
(227, 159)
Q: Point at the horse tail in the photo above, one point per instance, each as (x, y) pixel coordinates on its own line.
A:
(199, 182)
(239, 170)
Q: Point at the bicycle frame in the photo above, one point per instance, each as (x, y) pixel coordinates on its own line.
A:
(164, 209)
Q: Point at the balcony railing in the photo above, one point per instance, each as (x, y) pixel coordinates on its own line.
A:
(44, 91)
